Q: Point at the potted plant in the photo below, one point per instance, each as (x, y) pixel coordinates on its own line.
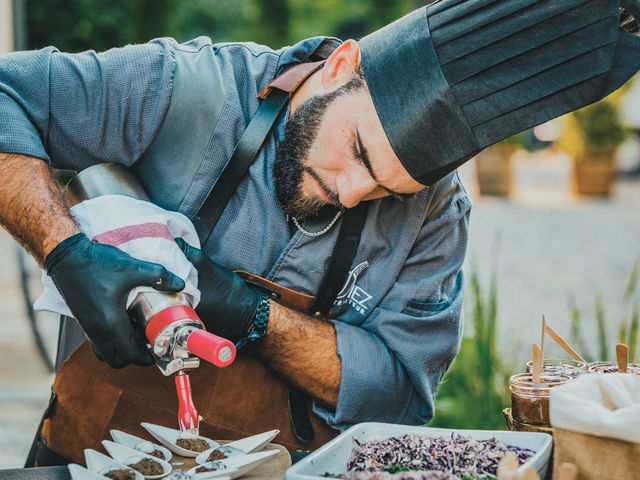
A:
(493, 167)
(593, 134)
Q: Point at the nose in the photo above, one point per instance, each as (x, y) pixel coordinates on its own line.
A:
(354, 186)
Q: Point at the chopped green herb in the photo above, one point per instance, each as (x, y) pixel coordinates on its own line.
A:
(398, 467)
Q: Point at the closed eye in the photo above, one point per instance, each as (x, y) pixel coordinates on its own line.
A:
(360, 153)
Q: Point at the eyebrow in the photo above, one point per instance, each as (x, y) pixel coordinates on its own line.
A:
(364, 154)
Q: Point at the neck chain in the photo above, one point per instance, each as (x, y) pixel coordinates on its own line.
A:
(321, 232)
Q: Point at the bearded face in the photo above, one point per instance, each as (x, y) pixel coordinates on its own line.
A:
(336, 153)
(301, 133)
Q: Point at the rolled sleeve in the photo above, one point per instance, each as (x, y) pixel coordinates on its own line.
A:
(24, 102)
(393, 362)
(76, 110)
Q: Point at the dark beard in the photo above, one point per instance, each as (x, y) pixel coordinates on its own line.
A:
(300, 133)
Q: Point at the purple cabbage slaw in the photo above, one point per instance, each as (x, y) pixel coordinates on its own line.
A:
(437, 458)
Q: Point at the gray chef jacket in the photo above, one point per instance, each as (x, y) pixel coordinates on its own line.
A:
(174, 113)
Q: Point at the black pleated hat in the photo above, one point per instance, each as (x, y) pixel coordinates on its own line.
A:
(456, 76)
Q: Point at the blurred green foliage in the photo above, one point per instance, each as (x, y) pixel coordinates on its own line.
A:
(476, 388)
(628, 328)
(76, 25)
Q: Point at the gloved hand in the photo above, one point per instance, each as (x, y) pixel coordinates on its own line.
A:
(228, 305)
(95, 281)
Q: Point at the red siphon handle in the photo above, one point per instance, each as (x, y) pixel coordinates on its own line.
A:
(212, 348)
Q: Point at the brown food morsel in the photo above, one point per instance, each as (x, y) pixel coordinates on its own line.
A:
(157, 454)
(193, 444)
(120, 474)
(216, 455)
(146, 466)
(203, 469)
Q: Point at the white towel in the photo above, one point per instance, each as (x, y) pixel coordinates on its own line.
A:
(605, 405)
(139, 228)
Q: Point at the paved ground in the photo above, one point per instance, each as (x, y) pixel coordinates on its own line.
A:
(551, 245)
(24, 381)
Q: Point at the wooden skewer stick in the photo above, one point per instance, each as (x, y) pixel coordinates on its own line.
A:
(622, 357)
(529, 474)
(563, 343)
(536, 368)
(508, 469)
(508, 466)
(544, 325)
(567, 471)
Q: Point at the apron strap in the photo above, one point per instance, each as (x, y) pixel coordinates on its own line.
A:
(237, 167)
(333, 281)
(274, 98)
(341, 259)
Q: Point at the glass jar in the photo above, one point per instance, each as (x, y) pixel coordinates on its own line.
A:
(530, 401)
(560, 366)
(612, 367)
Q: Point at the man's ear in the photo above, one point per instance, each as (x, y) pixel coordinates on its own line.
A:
(341, 65)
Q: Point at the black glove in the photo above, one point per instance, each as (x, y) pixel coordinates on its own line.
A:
(95, 281)
(228, 305)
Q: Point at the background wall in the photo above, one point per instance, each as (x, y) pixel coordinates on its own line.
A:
(6, 26)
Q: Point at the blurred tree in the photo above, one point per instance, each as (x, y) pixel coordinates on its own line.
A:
(151, 18)
(274, 19)
(74, 25)
(382, 12)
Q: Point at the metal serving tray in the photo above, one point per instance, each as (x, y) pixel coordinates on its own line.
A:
(333, 456)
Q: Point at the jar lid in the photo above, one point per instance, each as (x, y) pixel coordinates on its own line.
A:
(560, 366)
(612, 367)
(522, 383)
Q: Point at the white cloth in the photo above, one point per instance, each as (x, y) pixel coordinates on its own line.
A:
(605, 405)
(141, 229)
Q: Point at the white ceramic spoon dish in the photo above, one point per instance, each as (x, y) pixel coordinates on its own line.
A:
(139, 444)
(229, 452)
(100, 463)
(238, 466)
(220, 473)
(128, 456)
(241, 447)
(78, 472)
(168, 437)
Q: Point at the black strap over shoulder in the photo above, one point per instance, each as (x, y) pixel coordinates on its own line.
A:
(239, 163)
(341, 259)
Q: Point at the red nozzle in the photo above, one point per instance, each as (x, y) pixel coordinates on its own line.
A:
(212, 348)
(188, 418)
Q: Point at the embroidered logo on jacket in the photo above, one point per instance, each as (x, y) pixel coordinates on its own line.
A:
(352, 294)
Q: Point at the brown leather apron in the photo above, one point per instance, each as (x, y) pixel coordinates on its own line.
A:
(241, 400)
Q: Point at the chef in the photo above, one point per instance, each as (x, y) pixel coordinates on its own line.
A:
(326, 168)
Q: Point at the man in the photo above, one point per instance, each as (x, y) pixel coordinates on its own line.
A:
(382, 123)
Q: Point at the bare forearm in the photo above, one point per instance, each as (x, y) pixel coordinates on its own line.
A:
(31, 205)
(304, 351)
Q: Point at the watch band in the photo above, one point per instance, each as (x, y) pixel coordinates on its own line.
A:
(260, 323)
